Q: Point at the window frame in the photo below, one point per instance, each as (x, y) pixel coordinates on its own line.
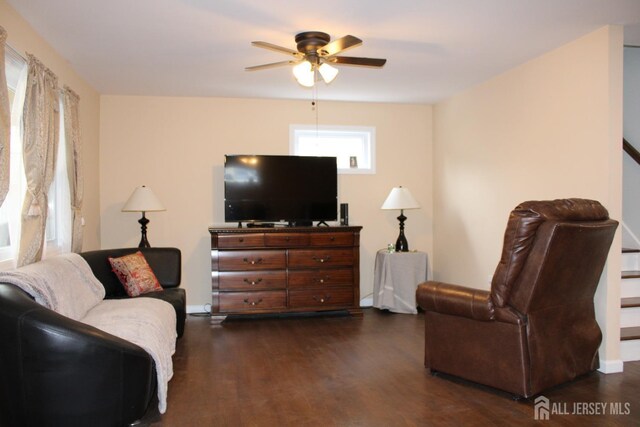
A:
(368, 139)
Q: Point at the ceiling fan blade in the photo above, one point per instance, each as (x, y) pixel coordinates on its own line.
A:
(363, 62)
(271, 65)
(276, 48)
(339, 45)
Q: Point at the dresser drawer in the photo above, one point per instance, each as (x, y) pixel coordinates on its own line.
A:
(331, 239)
(252, 301)
(304, 258)
(286, 239)
(322, 297)
(252, 280)
(249, 240)
(320, 277)
(251, 260)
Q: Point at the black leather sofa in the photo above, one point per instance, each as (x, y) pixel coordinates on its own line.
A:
(55, 371)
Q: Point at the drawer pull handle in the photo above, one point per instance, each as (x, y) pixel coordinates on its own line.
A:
(253, 261)
(252, 303)
(332, 238)
(321, 260)
(241, 239)
(323, 299)
(323, 279)
(253, 282)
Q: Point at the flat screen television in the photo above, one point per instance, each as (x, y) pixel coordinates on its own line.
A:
(294, 189)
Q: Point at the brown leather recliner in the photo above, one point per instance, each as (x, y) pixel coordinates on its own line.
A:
(536, 327)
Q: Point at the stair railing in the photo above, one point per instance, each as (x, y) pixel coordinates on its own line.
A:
(631, 150)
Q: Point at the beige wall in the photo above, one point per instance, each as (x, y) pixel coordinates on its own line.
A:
(176, 146)
(551, 128)
(23, 38)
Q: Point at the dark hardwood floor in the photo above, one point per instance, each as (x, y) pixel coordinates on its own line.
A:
(344, 371)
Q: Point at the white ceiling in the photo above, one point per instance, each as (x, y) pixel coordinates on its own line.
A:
(434, 48)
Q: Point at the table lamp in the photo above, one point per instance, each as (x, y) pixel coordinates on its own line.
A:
(400, 198)
(143, 200)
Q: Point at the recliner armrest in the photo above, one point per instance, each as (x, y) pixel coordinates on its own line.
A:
(455, 300)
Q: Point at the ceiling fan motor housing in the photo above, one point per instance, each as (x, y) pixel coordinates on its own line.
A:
(309, 42)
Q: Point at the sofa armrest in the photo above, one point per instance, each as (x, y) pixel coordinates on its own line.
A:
(455, 300)
(56, 370)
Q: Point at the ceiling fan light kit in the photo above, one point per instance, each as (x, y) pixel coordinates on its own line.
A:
(328, 72)
(314, 53)
(304, 74)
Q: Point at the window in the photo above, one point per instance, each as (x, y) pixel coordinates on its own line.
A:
(58, 230)
(16, 71)
(57, 234)
(353, 146)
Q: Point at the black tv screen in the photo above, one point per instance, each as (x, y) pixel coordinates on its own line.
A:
(280, 188)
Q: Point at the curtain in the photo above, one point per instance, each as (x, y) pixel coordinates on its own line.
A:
(74, 165)
(41, 129)
(5, 123)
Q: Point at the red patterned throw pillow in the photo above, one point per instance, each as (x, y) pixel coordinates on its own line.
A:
(135, 274)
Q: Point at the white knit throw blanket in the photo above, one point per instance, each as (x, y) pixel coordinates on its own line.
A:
(147, 322)
(66, 285)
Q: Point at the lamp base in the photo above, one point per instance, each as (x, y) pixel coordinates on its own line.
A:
(144, 243)
(401, 243)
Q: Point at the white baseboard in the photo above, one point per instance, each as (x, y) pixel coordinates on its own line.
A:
(206, 308)
(611, 366)
(366, 302)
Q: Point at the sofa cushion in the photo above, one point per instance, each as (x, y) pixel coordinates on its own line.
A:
(134, 273)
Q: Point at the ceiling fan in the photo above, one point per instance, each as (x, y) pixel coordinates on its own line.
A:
(316, 52)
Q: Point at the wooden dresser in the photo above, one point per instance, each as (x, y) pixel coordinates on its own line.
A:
(284, 270)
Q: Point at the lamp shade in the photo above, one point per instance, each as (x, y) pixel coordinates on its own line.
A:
(143, 200)
(400, 198)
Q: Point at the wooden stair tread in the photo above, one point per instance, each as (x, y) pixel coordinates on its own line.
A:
(630, 302)
(630, 274)
(629, 250)
(632, 333)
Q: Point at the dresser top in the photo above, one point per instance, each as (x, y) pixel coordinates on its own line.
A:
(336, 229)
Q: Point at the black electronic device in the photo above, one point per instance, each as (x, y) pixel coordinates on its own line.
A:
(292, 189)
(344, 213)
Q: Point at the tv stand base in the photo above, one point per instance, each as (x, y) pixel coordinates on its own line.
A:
(217, 320)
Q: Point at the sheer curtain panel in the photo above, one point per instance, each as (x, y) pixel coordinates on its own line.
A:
(41, 129)
(74, 165)
(5, 123)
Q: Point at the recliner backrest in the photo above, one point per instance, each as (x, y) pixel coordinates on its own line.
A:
(546, 243)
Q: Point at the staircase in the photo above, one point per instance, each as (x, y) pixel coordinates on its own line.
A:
(630, 305)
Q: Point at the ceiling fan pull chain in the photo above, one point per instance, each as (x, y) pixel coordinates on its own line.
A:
(314, 104)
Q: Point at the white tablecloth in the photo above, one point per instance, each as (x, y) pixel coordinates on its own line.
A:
(397, 276)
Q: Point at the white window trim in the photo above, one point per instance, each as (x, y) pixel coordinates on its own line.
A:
(371, 131)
